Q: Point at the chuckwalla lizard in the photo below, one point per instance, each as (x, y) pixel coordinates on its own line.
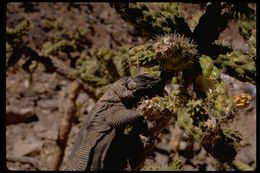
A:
(101, 143)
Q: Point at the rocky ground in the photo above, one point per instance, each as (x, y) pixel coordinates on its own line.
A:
(35, 102)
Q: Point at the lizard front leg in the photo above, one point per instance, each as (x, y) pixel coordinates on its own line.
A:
(119, 115)
(133, 153)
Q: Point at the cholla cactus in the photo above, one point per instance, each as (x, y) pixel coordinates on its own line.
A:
(166, 19)
(103, 67)
(195, 59)
(16, 33)
(154, 111)
(14, 41)
(52, 48)
(176, 165)
(174, 52)
(239, 65)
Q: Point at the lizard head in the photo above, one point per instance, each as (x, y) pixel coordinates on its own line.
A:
(146, 85)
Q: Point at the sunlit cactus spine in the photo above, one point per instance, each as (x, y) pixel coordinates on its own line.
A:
(53, 48)
(143, 56)
(21, 29)
(175, 51)
(239, 65)
(172, 52)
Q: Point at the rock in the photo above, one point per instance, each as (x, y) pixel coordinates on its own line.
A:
(161, 158)
(26, 148)
(51, 104)
(196, 147)
(49, 155)
(15, 115)
(176, 138)
(183, 146)
(46, 132)
(246, 155)
(188, 168)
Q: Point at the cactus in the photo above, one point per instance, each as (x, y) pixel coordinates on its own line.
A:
(14, 34)
(198, 59)
(176, 165)
(239, 65)
(103, 67)
(52, 48)
(14, 41)
(167, 19)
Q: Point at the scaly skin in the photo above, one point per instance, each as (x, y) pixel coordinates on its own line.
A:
(102, 135)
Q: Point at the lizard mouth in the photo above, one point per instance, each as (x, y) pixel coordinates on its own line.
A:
(145, 86)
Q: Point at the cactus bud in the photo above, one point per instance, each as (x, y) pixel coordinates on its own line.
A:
(174, 52)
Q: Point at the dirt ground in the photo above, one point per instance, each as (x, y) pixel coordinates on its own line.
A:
(39, 98)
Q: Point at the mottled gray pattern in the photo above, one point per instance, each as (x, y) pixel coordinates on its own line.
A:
(105, 125)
